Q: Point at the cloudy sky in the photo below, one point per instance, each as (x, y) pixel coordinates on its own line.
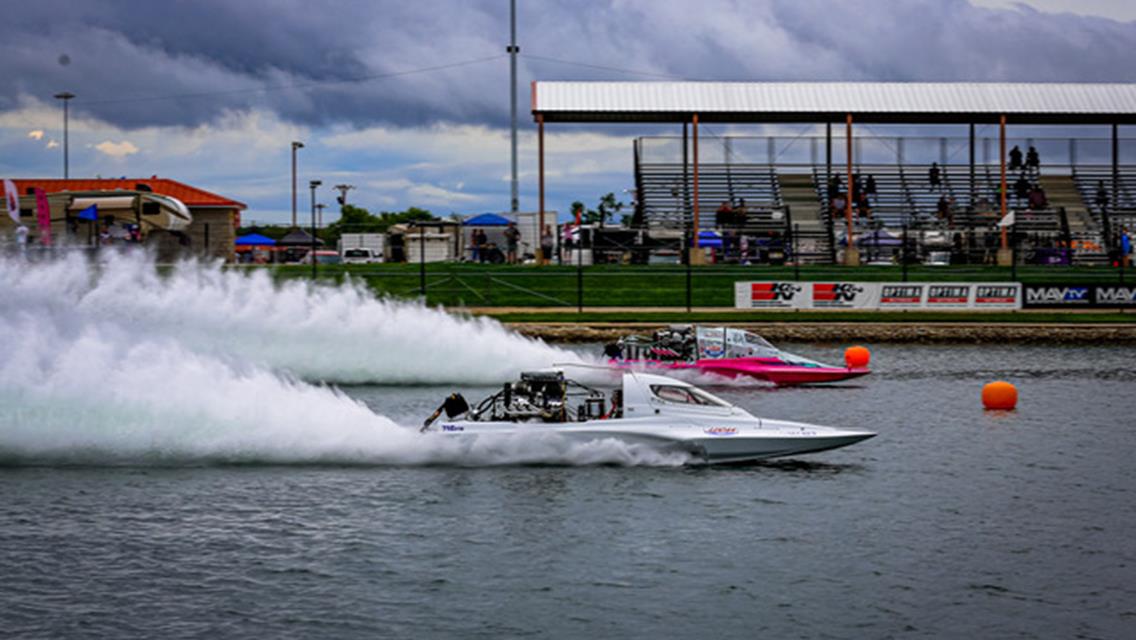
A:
(409, 100)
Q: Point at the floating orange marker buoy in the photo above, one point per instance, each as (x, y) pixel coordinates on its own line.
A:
(999, 395)
(857, 357)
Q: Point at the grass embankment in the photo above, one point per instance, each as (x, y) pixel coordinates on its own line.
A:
(473, 285)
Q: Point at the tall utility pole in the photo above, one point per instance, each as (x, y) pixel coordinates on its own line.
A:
(66, 97)
(319, 214)
(342, 199)
(513, 50)
(295, 145)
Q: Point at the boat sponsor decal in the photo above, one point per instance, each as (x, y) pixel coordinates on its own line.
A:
(901, 296)
(721, 431)
(452, 427)
(713, 350)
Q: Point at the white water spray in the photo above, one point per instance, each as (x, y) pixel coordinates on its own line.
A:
(126, 367)
(340, 334)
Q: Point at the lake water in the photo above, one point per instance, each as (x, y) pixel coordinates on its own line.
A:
(204, 521)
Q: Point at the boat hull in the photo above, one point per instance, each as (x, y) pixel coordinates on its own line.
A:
(715, 442)
(757, 368)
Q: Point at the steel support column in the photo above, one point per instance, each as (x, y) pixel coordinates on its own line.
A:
(694, 136)
(540, 173)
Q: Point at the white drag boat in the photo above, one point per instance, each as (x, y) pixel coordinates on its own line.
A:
(651, 410)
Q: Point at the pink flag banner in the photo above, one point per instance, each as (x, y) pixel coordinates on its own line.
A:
(43, 217)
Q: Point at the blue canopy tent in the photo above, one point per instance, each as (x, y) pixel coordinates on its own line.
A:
(486, 220)
(255, 240)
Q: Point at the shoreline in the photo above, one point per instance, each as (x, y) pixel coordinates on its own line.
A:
(844, 332)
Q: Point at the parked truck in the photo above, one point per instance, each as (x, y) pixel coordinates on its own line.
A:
(361, 248)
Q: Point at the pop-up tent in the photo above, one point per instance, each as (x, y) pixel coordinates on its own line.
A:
(486, 220)
(255, 240)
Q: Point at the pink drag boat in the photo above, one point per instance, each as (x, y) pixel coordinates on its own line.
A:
(726, 352)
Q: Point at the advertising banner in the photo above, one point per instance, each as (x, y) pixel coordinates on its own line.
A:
(997, 295)
(768, 295)
(1078, 296)
(893, 295)
(845, 295)
(906, 295)
(1116, 295)
(1057, 296)
(948, 295)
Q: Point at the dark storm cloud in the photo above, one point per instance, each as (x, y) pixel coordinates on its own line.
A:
(220, 55)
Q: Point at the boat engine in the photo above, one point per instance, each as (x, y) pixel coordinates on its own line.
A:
(538, 395)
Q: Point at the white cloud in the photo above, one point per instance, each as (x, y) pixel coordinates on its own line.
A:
(51, 144)
(117, 149)
(1123, 10)
(36, 134)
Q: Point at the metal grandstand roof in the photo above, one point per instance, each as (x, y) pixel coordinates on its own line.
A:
(872, 102)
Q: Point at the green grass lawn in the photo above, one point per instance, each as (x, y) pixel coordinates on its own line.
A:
(475, 285)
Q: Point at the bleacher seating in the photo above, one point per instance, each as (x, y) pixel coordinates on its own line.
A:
(903, 196)
(665, 202)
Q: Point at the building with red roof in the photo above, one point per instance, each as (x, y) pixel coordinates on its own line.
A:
(212, 233)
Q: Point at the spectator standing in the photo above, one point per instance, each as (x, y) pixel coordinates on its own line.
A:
(1015, 159)
(475, 243)
(834, 186)
(512, 239)
(1033, 161)
(1037, 199)
(1022, 187)
(870, 187)
(546, 244)
(934, 177)
(1102, 196)
(1125, 247)
(22, 240)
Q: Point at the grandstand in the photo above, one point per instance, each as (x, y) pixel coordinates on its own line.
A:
(1059, 214)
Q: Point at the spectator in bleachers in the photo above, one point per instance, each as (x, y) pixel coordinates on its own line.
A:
(870, 186)
(834, 186)
(863, 207)
(934, 177)
(1125, 247)
(1102, 196)
(724, 215)
(1022, 187)
(838, 206)
(740, 212)
(943, 210)
(856, 187)
(1033, 161)
(1015, 159)
(1037, 199)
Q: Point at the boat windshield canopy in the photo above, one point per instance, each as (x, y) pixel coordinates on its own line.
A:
(724, 342)
(687, 395)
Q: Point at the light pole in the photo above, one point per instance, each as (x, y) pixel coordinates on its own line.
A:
(295, 145)
(313, 184)
(65, 97)
(342, 199)
(319, 214)
(513, 50)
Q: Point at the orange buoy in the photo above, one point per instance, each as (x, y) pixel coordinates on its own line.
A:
(857, 357)
(999, 395)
